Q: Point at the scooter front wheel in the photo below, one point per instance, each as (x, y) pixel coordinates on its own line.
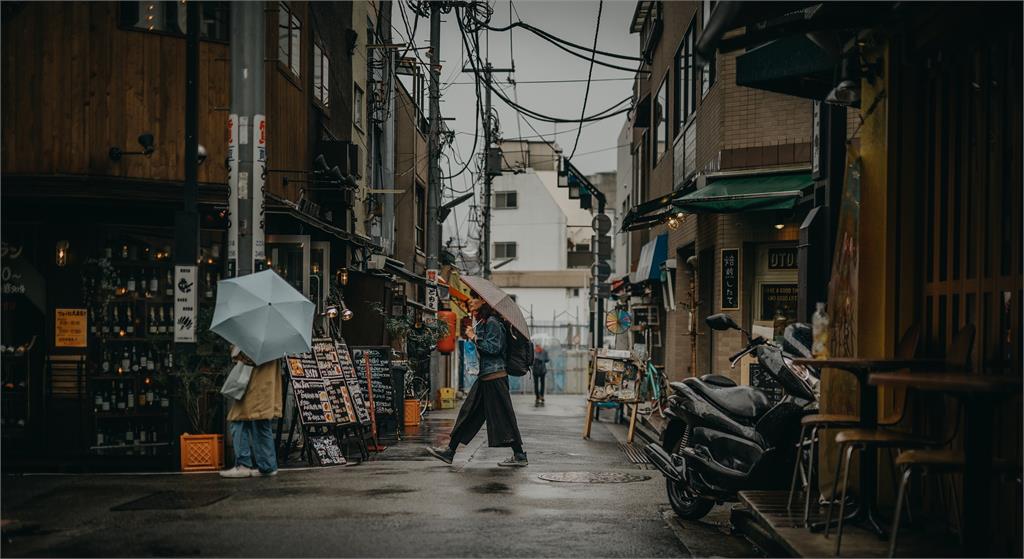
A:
(685, 504)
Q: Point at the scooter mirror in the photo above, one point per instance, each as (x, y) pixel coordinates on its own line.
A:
(721, 322)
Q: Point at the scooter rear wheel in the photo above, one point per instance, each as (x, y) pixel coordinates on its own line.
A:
(685, 504)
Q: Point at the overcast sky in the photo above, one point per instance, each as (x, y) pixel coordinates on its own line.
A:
(536, 60)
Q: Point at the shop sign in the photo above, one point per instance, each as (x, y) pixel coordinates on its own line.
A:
(782, 258)
(232, 193)
(778, 297)
(70, 327)
(432, 298)
(259, 158)
(185, 311)
(730, 278)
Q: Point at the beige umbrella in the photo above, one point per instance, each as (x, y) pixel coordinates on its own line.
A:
(498, 300)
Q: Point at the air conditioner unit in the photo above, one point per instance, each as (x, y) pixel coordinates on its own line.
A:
(376, 262)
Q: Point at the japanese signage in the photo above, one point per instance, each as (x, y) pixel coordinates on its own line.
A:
(232, 194)
(432, 297)
(730, 278)
(185, 310)
(70, 327)
(259, 162)
(778, 297)
(783, 258)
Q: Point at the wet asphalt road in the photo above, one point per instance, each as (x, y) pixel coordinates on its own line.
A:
(400, 504)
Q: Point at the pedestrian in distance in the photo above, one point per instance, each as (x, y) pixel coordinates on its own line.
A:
(540, 371)
(249, 420)
(488, 400)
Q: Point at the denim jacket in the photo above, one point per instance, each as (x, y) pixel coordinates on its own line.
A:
(490, 342)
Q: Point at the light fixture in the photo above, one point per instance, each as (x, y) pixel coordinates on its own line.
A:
(346, 313)
(201, 153)
(145, 140)
(343, 276)
(330, 312)
(673, 223)
(62, 254)
(851, 70)
(780, 226)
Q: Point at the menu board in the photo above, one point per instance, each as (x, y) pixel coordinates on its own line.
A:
(309, 390)
(615, 377)
(326, 450)
(378, 359)
(351, 379)
(70, 327)
(329, 366)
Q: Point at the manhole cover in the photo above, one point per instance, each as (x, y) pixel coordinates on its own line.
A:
(593, 477)
(171, 500)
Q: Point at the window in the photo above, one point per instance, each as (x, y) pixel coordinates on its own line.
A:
(708, 73)
(357, 107)
(421, 216)
(505, 250)
(289, 34)
(686, 85)
(661, 133)
(506, 200)
(321, 76)
(170, 18)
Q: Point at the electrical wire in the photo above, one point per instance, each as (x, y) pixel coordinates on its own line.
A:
(590, 74)
(556, 40)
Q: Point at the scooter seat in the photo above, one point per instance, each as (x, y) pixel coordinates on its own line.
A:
(742, 401)
(718, 380)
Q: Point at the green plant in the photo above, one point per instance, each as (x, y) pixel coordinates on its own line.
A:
(99, 283)
(198, 375)
(420, 337)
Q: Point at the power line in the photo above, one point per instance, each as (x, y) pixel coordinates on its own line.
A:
(590, 74)
(554, 39)
(556, 81)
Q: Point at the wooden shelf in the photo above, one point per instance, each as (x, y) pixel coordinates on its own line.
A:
(127, 446)
(157, 414)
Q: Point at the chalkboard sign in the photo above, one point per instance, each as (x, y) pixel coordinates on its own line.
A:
(326, 450)
(351, 380)
(329, 366)
(378, 359)
(730, 278)
(763, 380)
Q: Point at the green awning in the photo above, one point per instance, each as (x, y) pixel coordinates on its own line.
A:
(746, 194)
(792, 65)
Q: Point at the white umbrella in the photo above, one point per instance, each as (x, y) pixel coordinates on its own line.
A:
(264, 316)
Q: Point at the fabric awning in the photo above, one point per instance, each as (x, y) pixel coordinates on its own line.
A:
(745, 194)
(792, 65)
(651, 256)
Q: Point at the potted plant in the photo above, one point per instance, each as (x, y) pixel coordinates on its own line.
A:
(198, 377)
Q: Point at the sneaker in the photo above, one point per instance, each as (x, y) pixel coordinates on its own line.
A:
(516, 461)
(262, 474)
(443, 454)
(239, 472)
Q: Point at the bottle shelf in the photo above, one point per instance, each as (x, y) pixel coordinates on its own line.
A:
(154, 414)
(127, 446)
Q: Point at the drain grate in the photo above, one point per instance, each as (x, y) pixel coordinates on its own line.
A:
(173, 500)
(635, 454)
(593, 477)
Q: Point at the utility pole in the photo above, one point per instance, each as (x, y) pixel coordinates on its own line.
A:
(492, 161)
(434, 143)
(247, 153)
(186, 220)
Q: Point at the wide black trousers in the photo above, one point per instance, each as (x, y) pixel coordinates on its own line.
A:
(490, 401)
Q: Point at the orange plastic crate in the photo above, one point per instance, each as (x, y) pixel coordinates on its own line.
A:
(202, 453)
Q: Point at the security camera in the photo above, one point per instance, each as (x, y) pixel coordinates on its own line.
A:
(201, 154)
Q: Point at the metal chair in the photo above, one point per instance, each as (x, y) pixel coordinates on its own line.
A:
(906, 349)
(849, 440)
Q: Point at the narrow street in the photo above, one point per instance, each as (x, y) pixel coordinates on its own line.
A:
(399, 504)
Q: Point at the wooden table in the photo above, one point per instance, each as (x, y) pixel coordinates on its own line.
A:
(979, 394)
(867, 510)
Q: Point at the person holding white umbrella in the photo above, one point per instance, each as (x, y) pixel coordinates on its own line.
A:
(265, 318)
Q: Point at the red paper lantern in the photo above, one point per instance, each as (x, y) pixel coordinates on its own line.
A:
(447, 343)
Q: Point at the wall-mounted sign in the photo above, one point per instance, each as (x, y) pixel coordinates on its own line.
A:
(232, 194)
(730, 278)
(777, 297)
(259, 163)
(816, 137)
(70, 327)
(782, 258)
(185, 310)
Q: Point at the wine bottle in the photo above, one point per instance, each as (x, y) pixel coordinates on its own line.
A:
(118, 396)
(98, 401)
(161, 326)
(143, 361)
(209, 286)
(149, 395)
(130, 283)
(135, 360)
(105, 366)
(99, 437)
(129, 435)
(106, 401)
(130, 397)
(129, 321)
(126, 363)
(105, 329)
(154, 283)
(169, 286)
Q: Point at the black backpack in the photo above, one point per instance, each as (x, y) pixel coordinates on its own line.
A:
(518, 353)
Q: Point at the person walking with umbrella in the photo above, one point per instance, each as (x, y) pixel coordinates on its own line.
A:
(540, 370)
(488, 400)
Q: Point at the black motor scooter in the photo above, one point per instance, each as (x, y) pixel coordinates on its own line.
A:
(722, 438)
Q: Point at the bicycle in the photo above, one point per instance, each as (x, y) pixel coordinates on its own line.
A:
(655, 386)
(416, 387)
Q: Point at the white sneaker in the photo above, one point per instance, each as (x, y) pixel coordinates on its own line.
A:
(257, 473)
(239, 472)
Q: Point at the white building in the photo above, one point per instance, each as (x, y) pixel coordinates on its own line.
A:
(540, 242)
